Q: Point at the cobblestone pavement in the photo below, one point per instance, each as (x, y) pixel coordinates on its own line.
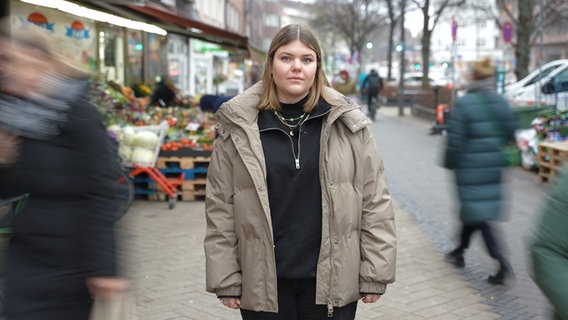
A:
(165, 257)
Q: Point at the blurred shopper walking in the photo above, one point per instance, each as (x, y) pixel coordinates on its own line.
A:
(480, 124)
(300, 223)
(372, 85)
(549, 248)
(54, 147)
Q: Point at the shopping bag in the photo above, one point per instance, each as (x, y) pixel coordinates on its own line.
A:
(8, 210)
(115, 308)
(511, 155)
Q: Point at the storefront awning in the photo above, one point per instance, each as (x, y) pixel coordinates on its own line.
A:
(192, 27)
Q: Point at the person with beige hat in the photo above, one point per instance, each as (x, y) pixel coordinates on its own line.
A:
(480, 124)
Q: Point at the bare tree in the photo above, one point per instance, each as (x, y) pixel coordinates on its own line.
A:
(432, 11)
(528, 22)
(354, 21)
(394, 14)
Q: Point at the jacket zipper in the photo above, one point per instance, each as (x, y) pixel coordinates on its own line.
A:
(296, 158)
(330, 232)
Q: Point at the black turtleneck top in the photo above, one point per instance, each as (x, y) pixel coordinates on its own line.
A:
(294, 190)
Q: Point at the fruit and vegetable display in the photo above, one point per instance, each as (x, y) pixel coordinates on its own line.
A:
(128, 117)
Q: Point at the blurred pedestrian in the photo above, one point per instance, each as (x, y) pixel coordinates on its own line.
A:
(480, 124)
(61, 253)
(345, 85)
(549, 248)
(165, 93)
(373, 84)
(300, 222)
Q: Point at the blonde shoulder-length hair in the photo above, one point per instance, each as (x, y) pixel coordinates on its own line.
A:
(289, 33)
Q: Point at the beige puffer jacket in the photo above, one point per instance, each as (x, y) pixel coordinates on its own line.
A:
(358, 248)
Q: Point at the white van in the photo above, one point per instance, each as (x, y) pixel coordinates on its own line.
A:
(531, 89)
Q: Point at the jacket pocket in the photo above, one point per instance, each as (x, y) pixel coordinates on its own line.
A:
(253, 268)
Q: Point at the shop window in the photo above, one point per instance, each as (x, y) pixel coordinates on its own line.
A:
(155, 53)
(134, 71)
(111, 53)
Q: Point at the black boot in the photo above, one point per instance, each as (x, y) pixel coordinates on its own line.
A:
(505, 272)
(455, 257)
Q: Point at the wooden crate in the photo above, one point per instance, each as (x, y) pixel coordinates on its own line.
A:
(193, 185)
(182, 162)
(551, 157)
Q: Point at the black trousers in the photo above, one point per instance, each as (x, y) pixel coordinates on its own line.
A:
(488, 237)
(296, 301)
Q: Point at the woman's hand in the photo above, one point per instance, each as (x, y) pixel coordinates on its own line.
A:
(107, 287)
(370, 297)
(233, 303)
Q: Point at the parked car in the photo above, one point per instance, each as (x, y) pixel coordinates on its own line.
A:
(531, 89)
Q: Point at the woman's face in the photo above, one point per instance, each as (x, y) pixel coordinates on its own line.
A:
(20, 67)
(294, 69)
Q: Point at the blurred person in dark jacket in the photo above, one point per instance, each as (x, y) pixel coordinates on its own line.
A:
(549, 248)
(480, 124)
(54, 148)
(164, 94)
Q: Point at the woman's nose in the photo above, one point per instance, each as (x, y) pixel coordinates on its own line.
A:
(296, 65)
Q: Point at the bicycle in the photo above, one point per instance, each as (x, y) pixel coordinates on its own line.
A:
(373, 108)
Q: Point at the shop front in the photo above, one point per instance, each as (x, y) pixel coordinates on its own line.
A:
(107, 46)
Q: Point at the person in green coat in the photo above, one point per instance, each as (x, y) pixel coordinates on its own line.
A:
(549, 248)
(480, 124)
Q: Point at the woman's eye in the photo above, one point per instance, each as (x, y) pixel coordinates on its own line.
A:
(285, 58)
(307, 60)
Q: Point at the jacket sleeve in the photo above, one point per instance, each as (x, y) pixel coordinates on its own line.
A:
(549, 248)
(96, 221)
(223, 272)
(378, 235)
(457, 130)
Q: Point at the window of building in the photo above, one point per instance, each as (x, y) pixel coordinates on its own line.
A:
(272, 20)
(266, 44)
(232, 18)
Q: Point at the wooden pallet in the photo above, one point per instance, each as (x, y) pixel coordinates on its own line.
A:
(193, 185)
(182, 162)
(551, 157)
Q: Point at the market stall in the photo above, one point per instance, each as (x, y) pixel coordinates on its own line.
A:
(168, 149)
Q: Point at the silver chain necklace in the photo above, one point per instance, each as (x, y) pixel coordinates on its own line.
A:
(292, 127)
